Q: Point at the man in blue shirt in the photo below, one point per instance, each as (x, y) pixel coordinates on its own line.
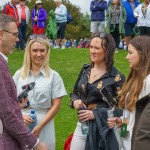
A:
(131, 21)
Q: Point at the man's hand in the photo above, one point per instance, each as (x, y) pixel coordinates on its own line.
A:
(22, 104)
(41, 146)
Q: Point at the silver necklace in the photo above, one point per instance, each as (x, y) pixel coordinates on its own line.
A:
(96, 75)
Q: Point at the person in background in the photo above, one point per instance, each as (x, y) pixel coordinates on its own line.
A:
(61, 20)
(142, 13)
(86, 97)
(15, 136)
(74, 43)
(133, 101)
(131, 21)
(11, 10)
(48, 92)
(81, 44)
(24, 16)
(39, 16)
(115, 19)
(97, 8)
(68, 44)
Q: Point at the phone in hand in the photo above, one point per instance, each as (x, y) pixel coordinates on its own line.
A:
(107, 97)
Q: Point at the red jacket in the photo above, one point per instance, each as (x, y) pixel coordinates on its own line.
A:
(11, 11)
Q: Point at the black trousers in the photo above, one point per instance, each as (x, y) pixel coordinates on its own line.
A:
(144, 30)
(115, 34)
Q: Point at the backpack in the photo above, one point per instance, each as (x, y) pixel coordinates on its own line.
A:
(69, 17)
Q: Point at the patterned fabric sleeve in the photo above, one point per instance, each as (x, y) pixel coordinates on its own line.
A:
(74, 94)
(120, 79)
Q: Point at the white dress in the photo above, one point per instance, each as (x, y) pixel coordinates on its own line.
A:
(46, 89)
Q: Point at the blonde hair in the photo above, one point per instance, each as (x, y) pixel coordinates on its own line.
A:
(135, 80)
(27, 59)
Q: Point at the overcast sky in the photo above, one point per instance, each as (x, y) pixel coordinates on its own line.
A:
(83, 4)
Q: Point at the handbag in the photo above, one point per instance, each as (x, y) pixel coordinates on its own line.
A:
(136, 30)
(112, 27)
(67, 143)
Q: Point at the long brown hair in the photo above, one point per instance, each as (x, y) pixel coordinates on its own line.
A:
(135, 80)
(108, 44)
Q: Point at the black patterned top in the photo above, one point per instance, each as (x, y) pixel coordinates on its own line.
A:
(90, 93)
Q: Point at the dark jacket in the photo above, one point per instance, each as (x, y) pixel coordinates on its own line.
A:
(90, 93)
(141, 131)
(101, 137)
(98, 10)
(129, 12)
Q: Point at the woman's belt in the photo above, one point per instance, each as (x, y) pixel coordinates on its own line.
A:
(37, 109)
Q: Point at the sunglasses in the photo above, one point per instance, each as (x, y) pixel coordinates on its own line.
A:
(99, 34)
(35, 36)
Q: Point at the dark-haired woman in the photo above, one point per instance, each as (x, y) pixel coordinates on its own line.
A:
(135, 97)
(86, 97)
(115, 19)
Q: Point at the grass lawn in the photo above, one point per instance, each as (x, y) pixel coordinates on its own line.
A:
(67, 63)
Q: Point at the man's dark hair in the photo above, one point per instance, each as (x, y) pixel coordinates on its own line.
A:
(5, 20)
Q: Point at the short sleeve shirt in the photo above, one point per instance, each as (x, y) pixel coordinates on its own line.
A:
(46, 88)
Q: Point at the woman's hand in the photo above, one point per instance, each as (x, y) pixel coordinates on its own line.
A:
(78, 104)
(23, 102)
(85, 115)
(35, 19)
(36, 130)
(27, 120)
(114, 121)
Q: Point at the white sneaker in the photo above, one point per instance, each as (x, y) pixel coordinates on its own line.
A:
(56, 47)
(63, 47)
(116, 50)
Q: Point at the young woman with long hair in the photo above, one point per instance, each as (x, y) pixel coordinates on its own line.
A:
(135, 97)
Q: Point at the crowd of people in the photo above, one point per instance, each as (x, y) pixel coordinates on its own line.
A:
(94, 128)
(38, 18)
(123, 18)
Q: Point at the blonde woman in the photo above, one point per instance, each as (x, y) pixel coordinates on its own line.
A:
(49, 89)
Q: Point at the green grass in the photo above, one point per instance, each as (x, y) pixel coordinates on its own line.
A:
(67, 63)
